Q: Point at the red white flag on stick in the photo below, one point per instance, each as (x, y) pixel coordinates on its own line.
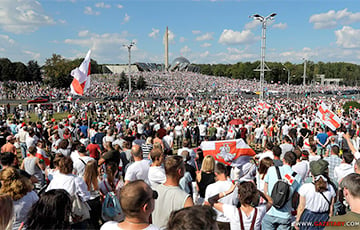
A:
(81, 81)
(226, 151)
(328, 117)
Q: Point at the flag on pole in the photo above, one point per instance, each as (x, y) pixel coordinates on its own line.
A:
(81, 81)
(328, 117)
(226, 151)
(263, 106)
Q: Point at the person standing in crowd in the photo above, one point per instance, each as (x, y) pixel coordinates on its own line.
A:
(171, 197)
(261, 172)
(205, 176)
(334, 160)
(137, 201)
(222, 184)
(281, 218)
(156, 171)
(6, 212)
(31, 165)
(139, 169)
(317, 198)
(81, 161)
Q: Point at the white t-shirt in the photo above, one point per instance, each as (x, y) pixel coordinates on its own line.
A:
(315, 202)
(156, 175)
(79, 166)
(178, 131)
(302, 168)
(139, 170)
(218, 187)
(202, 130)
(113, 225)
(258, 132)
(232, 213)
(342, 171)
(314, 158)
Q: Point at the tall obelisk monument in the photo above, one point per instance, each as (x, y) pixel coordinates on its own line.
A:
(166, 49)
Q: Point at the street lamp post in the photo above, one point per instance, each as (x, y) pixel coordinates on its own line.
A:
(288, 87)
(263, 66)
(304, 76)
(129, 50)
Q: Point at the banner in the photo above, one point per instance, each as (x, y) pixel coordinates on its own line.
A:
(81, 81)
(328, 117)
(226, 151)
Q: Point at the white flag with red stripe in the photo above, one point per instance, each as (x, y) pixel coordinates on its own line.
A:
(328, 117)
(263, 106)
(81, 81)
(226, 151)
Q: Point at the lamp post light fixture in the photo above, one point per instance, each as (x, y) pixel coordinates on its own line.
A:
(129, 50)
(263, 66)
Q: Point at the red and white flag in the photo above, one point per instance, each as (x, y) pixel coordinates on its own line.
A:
(81, 81)
(263, 106)
(226, 151)
(278, 105)
(328, 117)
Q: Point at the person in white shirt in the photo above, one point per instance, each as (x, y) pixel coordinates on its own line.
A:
(156, 171)
(302, 166)
(258, 134)
(81, 161)
(222, 184)
(285, 130)
(178, 134)
(345, 168)
(203, 131)
(138, 170)
(286, 146)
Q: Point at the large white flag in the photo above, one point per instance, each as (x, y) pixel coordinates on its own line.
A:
(328, 117)
(81, 81)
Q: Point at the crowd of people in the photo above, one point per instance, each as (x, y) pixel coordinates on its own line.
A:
(138, 163)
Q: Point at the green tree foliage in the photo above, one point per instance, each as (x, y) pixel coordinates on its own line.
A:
(141, 83)
(352, 104)
(21, 72)
(57, 72)
(34, 70)
(6, 70)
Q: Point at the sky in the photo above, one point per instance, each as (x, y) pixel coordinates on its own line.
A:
(203, 31)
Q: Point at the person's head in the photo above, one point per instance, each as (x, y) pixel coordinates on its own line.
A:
(6, 212)
(319, 170)
(313, 148)
(136, 151)
(351, 188)
(185, 154)
(157, 155)
(208, 164)
(220, 171)
(10, 139)
(66, 165)
(347, 157)
(297, 154)
(32, 150)
(51, 211)
(287, 139)
(81, 149)
(186, 143)
(157, 145)
(199, 155)
(269, 145)
(13, 184)
(91, 174)
(174, 166)
(149, 141)
(63, 144)
(335, 150)
(304, 155)
(137, 199)
(195, 217)
(7, 159)
(357, 166)
(264, 165)
(248, 193)
(290, 158)
(276, 151)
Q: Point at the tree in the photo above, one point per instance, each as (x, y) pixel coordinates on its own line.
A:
(141, 83)
(21, 72)
(57, 72)
(123, 82)
(6, 69)
(34, 71)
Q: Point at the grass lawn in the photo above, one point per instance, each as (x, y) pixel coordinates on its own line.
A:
(57, 116)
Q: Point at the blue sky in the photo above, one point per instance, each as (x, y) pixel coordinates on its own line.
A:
(203, 31)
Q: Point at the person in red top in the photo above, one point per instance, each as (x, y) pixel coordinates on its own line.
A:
(94, 150)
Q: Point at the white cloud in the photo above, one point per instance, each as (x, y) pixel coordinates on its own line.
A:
(252, 24)
(119, 6)
(89, 11)
(182, 39)
(196, 32)
(205, 45)
(333, 18)
(348, 37)
(204, 37)
(6, 39)
(83, 33)
(23, 16)
(126, 18)
(154, 33)
(102, 5)
(280, 25)
(230, 37)
(33, 55)
(185, 49)
(171, 37)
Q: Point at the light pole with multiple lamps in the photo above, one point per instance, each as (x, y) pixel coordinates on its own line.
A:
(263, 66)
(129, 50)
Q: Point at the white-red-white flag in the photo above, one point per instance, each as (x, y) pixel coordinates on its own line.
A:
(81, 81)
(328, 117)
(226, 151)
(263, 106)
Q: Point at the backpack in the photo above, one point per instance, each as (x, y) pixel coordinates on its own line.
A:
(188, 133)
(281, 191)
(111, 207)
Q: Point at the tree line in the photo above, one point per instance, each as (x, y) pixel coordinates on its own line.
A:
(56, 71)
(350, 73)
